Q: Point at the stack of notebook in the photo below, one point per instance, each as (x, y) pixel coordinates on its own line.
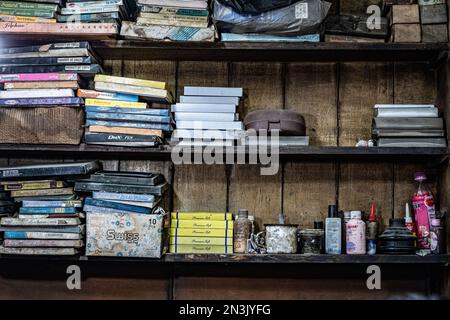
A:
(411, 125)
(61, 19)
(201, 233)
(176, 20)
(49, 219)
(207, 116)
(121, 218)
(114, 115)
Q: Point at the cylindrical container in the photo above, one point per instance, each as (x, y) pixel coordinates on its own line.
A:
(356, 234)
(333, 232)
(281, 238)
(437, 236)
(311, 241)
(346, 216)
(424, 209)
(241, 231)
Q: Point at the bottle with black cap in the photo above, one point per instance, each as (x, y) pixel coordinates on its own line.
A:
(333, 231)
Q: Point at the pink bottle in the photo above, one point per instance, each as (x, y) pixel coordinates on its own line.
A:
(356, 234)
(423, 204)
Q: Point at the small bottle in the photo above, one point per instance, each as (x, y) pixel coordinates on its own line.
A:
(356, 234)
(409, 224)
(437, 236)
(346, 216)
(241, 231)
(250, 242)
(372, 231)
(333, 231)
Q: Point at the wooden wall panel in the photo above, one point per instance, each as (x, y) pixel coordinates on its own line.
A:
(414, 83)
(357, 7)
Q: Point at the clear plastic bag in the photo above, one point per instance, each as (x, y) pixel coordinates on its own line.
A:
(256, 6)
(302, 17)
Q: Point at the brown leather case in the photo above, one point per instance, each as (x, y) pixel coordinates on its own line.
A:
(289, 123)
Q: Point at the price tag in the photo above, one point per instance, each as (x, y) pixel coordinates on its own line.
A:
(301, 11)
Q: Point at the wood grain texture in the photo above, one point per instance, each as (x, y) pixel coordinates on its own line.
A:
(357, 7)
(362, 85)
(308, 190)
(311, 90)
(414, 83)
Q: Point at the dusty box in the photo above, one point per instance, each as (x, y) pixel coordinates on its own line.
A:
(405, 13)
(126, 235)
(435, 33)
(433, 14)
(53, 125)
(431, 2)
(409, 33)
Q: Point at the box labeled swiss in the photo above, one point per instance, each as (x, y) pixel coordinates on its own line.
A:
(41, 125)
(125, 235)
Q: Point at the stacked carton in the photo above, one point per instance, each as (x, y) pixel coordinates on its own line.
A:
(114, 115)
(29, 11)
(405, 23)
(176, 20)
(201, 233)
(434, 20)
(122, 218)
(49, 220)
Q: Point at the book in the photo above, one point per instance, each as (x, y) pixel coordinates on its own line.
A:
(90, 9)
(41, 192)
(295, 141)
(90, 209)
(32, 185)
(24, 19)
(48, 170)
(189, 232)
(40, 222)
(84, 3)
(409, 133)
(88, 186)
(71, 47)
(408, 123)
(52, 204)
(124, 177)
(204, 108)
(41, 13)
(209, 100)
(43, 243)
(150, 112)
(174, 10)
(42, 235)
(37, 93)
(412, 142)
(79, 229)
(407, 112)
(156, 94)
(41, 85)
(46, 210)
(177, 21)
(204, 241)
(150, 205)
(123, 196)
(210, 125)
(213, 91)
(131, 81)
(39, 251)
(249, 37)
(79, 215)
(197, 116)
(141, 125)
(85, 93)
(67, 197)
(201, 224)
(116, 206)
(194, 4)
(207, 216)
(127, 117)
(47, 61)
(26, 77)
(200, 249)
(121, 140)
(108, 17)
(82, 69)
(125, 131)
(207, 135)
(28, 5)
(41, 102)
(201, 143)
(407, 106)
(114, 104)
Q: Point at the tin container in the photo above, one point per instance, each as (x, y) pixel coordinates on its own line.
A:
(311, 241)
(281, 238)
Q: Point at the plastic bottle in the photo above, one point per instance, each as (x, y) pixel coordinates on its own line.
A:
(409, 223)
(356, 234)
(423, 204)
(241, 231)
(372, 231)
(437, 236)
(333, 231)
(346, 216)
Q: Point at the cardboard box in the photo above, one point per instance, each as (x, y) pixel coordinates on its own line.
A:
(405, 13)
(435, 33)
(433, 14)
(406, 33)
(126, 235)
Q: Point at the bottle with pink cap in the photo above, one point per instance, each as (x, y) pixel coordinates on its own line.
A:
(424, 209)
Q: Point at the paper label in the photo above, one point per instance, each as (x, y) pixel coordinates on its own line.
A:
(301, 11)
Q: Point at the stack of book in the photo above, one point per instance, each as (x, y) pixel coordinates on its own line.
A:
(412, 125)
(201, 233)
(29, 18)
(207, 116)
(176, 20)
(107, 11)
(114, 115)
(121, 213)
(49, 220)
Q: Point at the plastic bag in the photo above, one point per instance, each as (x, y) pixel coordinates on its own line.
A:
(256, 6)
(302, 17)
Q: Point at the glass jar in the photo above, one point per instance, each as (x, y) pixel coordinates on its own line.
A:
(311, 241)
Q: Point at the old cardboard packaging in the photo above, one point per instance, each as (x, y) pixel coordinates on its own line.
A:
(406, 33)
(126, 235)
(434, 33)
(433, 14)
(405, 13)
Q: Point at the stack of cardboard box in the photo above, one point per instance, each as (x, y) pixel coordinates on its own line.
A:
(405, 22)
(434, 20)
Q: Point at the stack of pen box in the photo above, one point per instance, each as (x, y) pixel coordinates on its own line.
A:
(122, 215)
(201, 233)
(49, 220)
(186, 20)
(118, 112)
(38, 104)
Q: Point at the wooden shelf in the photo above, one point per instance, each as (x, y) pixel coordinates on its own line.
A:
(248, 51)
(255, 259)
(163, 153)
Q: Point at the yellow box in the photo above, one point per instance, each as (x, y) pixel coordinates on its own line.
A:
(131, 81)
(205, 216)
(187, 232)
(205, 241)
(198, 224)
(201, 249)
(114, 103)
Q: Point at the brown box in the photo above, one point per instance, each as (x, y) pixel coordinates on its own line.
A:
(434, 33)
(433, 14)
(410, 33)
(52, 125)
(405, 13)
